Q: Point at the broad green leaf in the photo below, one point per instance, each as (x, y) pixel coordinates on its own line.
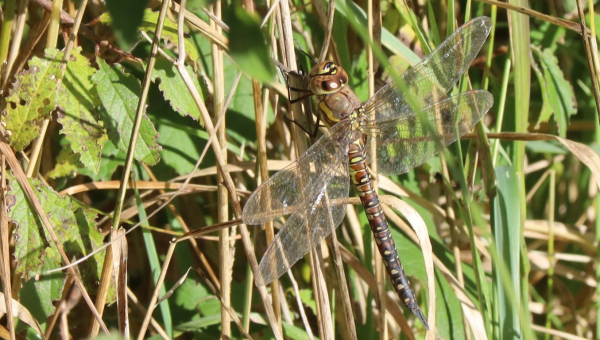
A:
(111, 159)
(180, 149)
(30, 101)
(90, 238)
(190, 293)
(38, 293)
(308, 298)
(127, 17)
(558, 93)
(247, 45)
(175, 90)
(240, 113)
(203, 322)
(73, 224)
(119, 94)
(30, 246)
(296, 333)
(80, 123)
(169, 31)
(242, 101)
(67, 163)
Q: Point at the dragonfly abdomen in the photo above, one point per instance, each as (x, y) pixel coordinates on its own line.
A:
(378, 223)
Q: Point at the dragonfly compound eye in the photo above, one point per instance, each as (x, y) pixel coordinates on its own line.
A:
(327, 78)
(321, 85)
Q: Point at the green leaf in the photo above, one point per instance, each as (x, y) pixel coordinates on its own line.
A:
(180, 149)
(111, 160)
(507, 270)
(307, 297)
(73, 224)
(67, 163)
(175, 90)
(30, 101)
(189, 294)
(80, 123)
(127, 17)
(247, 45)
(240, 112)
(119, 94)
(203, 322)
(37, 294)
(558, 93)
(169, 31)
(293, 332)
(87, 239)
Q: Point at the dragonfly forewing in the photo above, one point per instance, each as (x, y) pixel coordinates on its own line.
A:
(405, 143)
(307, 227)
(290, 189)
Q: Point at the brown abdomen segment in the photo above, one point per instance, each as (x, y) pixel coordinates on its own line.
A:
(380, 228)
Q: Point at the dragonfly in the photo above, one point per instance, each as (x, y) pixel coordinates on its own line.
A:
(410, 121)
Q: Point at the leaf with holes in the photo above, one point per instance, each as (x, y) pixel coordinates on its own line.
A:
(72, 223)
(119, 93)
(30, 101)
(80, 123)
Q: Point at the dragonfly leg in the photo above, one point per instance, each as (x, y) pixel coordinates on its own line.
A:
(302, 127)
(307, 94)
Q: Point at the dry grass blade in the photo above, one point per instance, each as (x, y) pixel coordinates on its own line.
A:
(120, 254)
(142, 185)
(202, 26)
(570, 25)
(557, 334)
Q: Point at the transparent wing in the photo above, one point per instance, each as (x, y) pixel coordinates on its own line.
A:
(429, 81)
(293, 188)
(306, 227)
(410, 141)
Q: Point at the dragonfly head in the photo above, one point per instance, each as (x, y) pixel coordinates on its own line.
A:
(327, 78)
